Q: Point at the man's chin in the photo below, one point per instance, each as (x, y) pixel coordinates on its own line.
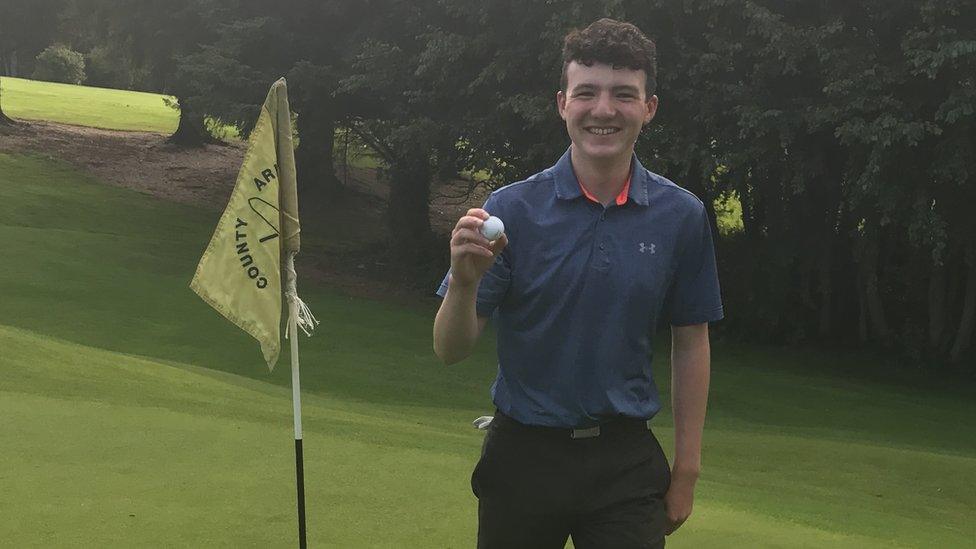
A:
(602, 153)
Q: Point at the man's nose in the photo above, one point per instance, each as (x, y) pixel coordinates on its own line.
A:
(604, 106)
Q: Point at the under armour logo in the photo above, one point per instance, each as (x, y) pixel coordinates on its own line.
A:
(650, 248)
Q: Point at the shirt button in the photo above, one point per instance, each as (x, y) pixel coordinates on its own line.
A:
(602, 247)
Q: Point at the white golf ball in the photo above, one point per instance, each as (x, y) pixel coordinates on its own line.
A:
(493, 228)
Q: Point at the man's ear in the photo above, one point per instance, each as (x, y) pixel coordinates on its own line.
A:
(651, 109)
(561, 103)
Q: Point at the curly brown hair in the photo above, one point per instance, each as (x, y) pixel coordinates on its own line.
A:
(616, 43)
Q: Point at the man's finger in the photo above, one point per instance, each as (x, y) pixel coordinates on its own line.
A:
(472, 248)
(463, 236)
(479, 213)
(469, 222)
(499, 244)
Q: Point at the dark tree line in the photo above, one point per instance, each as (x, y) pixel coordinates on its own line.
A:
(846, 130)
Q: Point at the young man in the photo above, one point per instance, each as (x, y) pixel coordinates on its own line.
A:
(597, 251)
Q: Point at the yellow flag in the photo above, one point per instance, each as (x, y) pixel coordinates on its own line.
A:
(240, 272)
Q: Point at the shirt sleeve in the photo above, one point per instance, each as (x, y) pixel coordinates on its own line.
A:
(695, 294)
(496, 280)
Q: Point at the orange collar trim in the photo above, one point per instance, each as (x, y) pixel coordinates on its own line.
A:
(621, 197)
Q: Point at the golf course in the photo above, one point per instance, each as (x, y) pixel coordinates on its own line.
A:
(134, 415)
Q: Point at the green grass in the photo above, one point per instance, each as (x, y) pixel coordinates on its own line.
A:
(134, 412)
(136, 416)
(87, 106)
(357, 154)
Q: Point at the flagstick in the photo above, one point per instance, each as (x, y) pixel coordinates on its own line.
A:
(296, 398)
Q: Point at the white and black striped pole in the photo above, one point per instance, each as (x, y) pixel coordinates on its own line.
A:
(296, 398)
(298, 317)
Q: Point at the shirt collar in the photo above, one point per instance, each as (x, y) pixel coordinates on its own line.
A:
(619, 200)
(569, 188)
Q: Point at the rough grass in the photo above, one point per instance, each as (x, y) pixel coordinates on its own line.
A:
(135, 416)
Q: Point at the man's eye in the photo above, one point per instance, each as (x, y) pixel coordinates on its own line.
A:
(584, 94)
(627, 96)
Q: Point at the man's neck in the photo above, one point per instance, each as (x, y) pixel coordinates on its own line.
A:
(604, 180)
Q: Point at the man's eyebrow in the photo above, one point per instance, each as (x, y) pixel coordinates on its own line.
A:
(627, 88)
(584, 86)
(590, 86)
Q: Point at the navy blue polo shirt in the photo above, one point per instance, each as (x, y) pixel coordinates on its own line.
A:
(578, 293)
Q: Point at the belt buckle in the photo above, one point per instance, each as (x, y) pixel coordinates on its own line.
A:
(586, 433)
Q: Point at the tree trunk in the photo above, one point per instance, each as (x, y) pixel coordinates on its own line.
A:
(4, 119)
(825, 326)
(409, 206)
(747, 224)
(846, 301)
(872, 293)
(862, 317)
(314, 156)
(937, 305)
(8, 64)
(695, 182)
(830, 197)
(191, 132)
(965, 331)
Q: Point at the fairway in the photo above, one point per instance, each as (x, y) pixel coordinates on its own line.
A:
(136, 417)
(87, 106)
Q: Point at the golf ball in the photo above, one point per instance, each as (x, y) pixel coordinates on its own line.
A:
(493, 228)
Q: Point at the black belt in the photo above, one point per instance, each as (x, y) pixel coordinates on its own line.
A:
(608, 426)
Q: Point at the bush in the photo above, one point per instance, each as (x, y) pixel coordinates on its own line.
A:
(59, 63)
(104, 68)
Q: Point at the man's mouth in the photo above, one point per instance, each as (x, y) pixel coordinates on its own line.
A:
(598, 130)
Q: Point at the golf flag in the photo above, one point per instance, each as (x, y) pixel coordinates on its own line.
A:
(240, 273)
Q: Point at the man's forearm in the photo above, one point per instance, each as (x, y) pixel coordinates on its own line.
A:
(690, 371)
(456, 327)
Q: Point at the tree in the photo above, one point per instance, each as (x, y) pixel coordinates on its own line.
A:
(392, 117)
(251, 47)
(456, 87)
(4, 119)
(150, 41)
(26, 28)
(59, 63)
(841, 127)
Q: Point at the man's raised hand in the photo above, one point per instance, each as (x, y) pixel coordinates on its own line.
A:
(471, 253)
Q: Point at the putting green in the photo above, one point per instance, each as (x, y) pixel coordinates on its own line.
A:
(135, 416)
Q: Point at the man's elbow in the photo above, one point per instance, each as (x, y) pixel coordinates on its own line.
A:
(447, 356)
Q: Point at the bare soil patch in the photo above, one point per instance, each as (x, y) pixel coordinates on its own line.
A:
(140, 161)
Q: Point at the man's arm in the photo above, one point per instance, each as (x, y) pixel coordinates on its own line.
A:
(457, 325)
(690, 371)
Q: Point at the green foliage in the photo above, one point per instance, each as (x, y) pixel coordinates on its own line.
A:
(59, 63)
(728, 213)
(26, 28)
(106, 68)
(842, 129)
(219, 130)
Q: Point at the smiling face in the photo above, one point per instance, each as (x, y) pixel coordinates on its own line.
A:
(604, 109)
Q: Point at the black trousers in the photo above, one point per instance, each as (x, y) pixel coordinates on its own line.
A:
(537, 486)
